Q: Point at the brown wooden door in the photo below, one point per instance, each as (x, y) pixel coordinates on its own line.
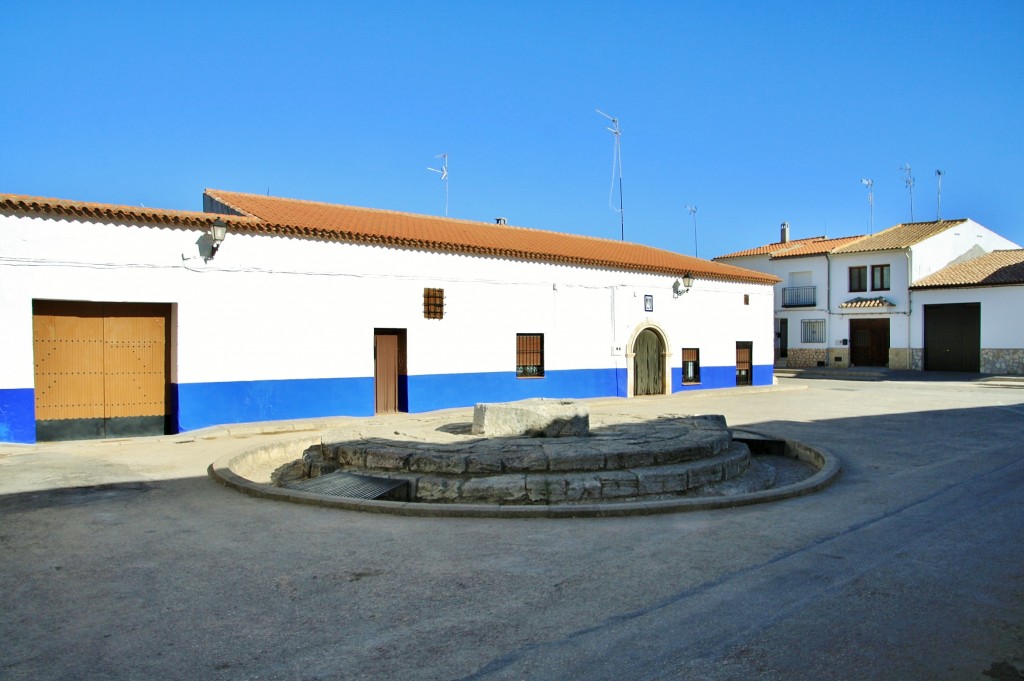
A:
(385, 372)
(869, 342)
(648, 364)
(744, 362)
(101, 369)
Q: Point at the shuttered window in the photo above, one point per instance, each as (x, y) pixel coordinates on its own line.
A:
(433, 303)
(744, 362)
(529, 355)
(691, 365)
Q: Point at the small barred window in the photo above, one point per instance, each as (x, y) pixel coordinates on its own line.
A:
(433, 303)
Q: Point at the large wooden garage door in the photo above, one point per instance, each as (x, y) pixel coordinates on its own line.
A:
(952, 337)
(100, 369)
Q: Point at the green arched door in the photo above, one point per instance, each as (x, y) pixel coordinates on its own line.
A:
(648, 367)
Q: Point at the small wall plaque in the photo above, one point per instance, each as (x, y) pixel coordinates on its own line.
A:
(648, 303)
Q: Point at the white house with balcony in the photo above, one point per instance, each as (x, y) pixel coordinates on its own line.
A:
(802, 295)
(847, 301)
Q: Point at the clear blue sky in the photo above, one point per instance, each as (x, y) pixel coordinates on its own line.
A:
(754, 112)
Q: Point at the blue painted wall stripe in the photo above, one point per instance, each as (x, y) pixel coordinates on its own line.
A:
(208, 404)
(442, 391)
(721, 377)
(197, 405)
(18, 415)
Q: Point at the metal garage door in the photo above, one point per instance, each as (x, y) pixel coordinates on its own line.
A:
(952, 337)
(101, 369)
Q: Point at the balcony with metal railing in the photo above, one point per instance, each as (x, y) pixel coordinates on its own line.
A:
(799, 296)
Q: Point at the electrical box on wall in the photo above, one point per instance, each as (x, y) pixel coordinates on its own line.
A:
(616, 350)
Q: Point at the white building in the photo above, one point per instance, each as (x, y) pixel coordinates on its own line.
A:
(124, 320)
(971, 316)
(847, 301)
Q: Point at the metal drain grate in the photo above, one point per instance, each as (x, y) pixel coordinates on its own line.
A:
(353, 486)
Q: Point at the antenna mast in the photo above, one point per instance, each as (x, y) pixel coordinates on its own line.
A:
(616, 164)
(693, 211)
(443, 171)
(938, 205)
(870, 184)
(909, 180)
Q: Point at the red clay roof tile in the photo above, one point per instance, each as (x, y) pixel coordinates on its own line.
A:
(998, 268)
(368, 225)
(900, 236)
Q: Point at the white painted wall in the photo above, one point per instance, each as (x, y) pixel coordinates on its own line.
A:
(1002, 324)
(282, 308)
(934, 253)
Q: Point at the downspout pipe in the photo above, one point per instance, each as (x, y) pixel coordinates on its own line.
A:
(828, 309)
(910, 280)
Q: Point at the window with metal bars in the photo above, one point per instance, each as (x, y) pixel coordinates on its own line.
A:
(433, 303)
(529, 355)
(812, 330)
(691, 365)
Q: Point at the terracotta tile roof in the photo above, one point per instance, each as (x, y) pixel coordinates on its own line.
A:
(772, 249)
(81, 210)
(818, 247)
(998, 268)
(868, 302)
(815, 245)
(900, 236)
(293, 217)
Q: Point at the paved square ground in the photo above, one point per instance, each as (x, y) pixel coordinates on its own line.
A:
(123, 560)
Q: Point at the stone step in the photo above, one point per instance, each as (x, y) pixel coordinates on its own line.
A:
(839, 374)
(663, 441)
(574, 486)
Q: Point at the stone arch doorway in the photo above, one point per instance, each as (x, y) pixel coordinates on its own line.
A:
(648, 363)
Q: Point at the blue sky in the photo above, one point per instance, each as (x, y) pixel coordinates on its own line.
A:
(753, 112)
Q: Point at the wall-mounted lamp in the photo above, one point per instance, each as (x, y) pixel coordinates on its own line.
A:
(682, 287)
(218, 230)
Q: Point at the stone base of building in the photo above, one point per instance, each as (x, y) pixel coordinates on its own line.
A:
(801, 358)
(917, 359)
(840, 357)
(900, 358)
(1002, 361)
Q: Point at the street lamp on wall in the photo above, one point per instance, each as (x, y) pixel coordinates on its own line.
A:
(682, 287)
(218, 230)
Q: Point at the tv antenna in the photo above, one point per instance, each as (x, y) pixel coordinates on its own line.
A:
(870, 184)
(909, 180)
(692, 210)
(938, 205)
(443, 172)
(616, 165)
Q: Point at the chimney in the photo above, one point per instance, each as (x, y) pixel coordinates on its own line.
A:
(500, 221)
(785, 233)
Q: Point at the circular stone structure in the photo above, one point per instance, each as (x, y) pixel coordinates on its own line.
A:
(622, 461)
(668, 464)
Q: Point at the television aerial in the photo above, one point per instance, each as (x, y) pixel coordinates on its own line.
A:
(692, 210)
(443, 172)
(938, 205)
(616, 166)
(870, 184)
(909, 180)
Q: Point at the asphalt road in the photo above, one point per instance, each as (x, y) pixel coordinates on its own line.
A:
(122, 560)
